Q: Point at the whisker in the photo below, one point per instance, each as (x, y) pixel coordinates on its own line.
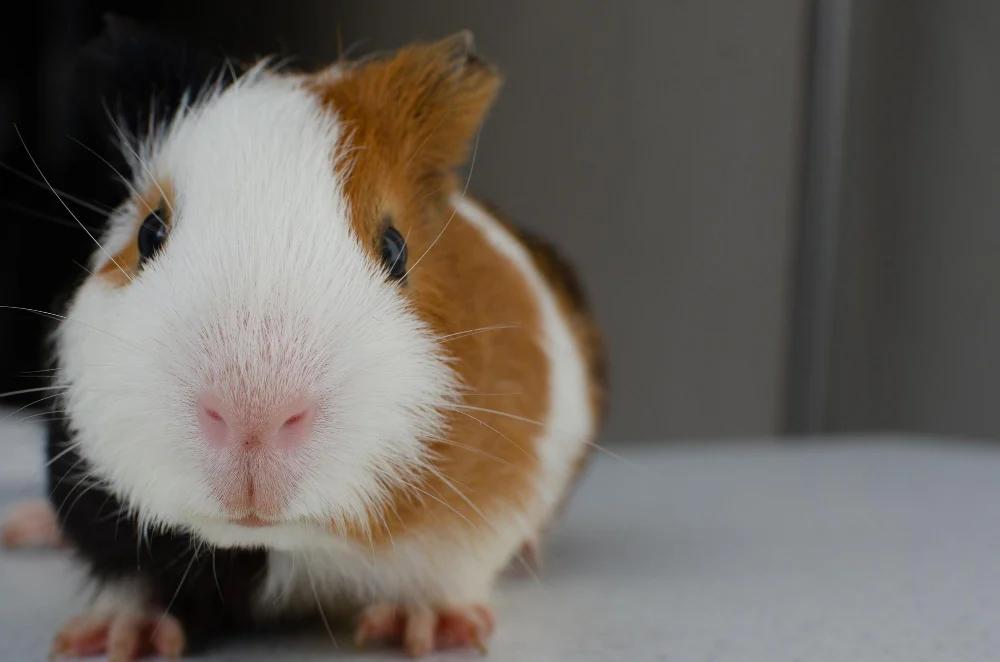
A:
(89, 483)
(215, 577)
(63, 203)
(319, 605)
(63, 318)
(621, 458)
(98, 209)
(592, 444)
(30, 390)
(440, 476)
(72, 446)
(454, 212)
(84, 268)
(231, 69)
(37, 214)
(180, 584)
(505, 414)
(127, 144)
(473, 449)
(31, 404)
(472, 332)
(441, 501)
(66, 475)
(128, 184)
(493, 429)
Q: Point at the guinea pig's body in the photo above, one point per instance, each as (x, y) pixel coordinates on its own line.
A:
(310, 374)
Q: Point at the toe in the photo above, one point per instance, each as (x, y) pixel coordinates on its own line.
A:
(418, 640)
(168, 638)
(423, 629)
(465, 627)
(125, 638)
(83, 635)
(379, 623)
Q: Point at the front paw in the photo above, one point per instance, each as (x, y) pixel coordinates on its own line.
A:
(122, 634)
(423, 629)
(32, 524)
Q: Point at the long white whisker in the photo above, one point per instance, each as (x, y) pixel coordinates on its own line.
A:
(472, 332)
(30, 390)
(493, 429)
(472, 165)
(123, 178)
(32, 404)
(55, 458)
(128, 145)
(472, 449)
(319, 606)
(98, 209)
(487, 410)
(215, 577)
(440, 476)
(37, 214)
(63, 318)
(65, 206)
(180, 584)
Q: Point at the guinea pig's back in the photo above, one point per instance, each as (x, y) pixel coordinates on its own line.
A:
(576, 379)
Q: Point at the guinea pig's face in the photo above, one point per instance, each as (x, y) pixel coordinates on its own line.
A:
(246, 361)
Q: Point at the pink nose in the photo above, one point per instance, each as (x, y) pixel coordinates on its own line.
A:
(287, 426)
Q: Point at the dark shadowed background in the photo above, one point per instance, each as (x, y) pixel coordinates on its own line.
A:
(784, 210)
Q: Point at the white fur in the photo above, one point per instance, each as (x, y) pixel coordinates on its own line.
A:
(263, 289)
(442, 569)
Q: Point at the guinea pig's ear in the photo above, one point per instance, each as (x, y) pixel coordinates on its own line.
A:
(450, 89)
(425, 103)
(140, 72)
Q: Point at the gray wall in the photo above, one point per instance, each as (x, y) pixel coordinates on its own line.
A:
(917, 308)
(657, 143)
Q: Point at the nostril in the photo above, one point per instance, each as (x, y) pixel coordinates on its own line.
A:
(295, 430)
(296, 419)
(212, 421)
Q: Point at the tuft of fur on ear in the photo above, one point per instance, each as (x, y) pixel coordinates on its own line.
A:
(422, 105)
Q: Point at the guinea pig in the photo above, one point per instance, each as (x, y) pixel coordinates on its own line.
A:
(308, 373)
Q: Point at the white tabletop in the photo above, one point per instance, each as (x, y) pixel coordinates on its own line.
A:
(871, 549)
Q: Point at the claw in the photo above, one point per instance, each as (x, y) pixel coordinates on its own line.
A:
(123, 635)
(423, 629)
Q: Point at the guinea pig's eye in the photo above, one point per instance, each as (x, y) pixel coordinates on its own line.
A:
(152, 234)
(394, 252)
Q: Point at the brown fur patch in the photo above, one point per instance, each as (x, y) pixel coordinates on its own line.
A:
(122, 267)
(409, 120)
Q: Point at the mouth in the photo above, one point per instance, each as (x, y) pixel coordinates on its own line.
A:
(253, 522)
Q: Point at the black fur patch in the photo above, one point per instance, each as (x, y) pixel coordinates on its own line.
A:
(209, 592)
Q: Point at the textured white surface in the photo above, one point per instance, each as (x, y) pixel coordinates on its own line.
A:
(884, 549)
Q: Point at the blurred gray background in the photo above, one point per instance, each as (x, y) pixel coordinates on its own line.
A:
(784, 210)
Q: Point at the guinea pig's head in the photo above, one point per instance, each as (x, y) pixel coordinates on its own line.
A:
(254, 357)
